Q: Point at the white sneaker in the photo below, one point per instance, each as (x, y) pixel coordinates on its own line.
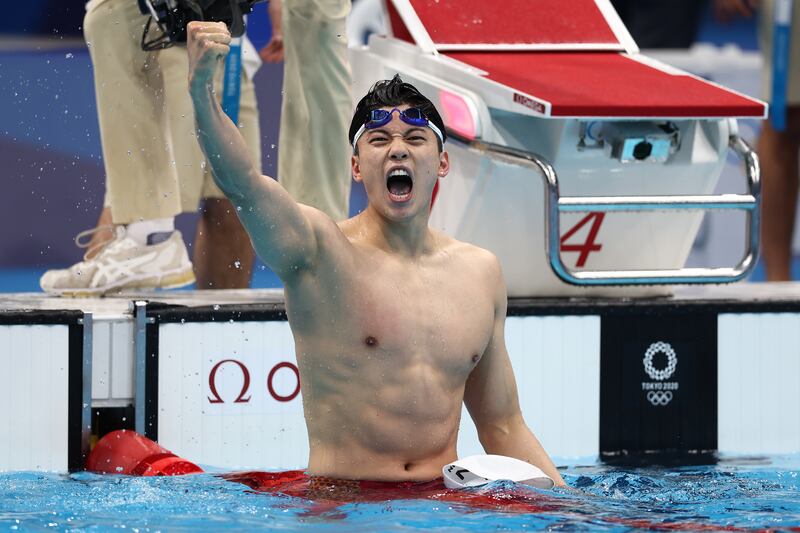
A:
(123, 263)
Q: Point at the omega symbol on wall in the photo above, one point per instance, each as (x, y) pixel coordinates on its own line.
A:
(244, 394)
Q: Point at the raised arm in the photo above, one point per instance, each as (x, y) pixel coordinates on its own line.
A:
(283, 232)
(491, 397)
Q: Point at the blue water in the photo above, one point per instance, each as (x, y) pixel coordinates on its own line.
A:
(732, 495)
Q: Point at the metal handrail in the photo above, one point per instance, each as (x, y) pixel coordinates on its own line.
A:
(555, 205)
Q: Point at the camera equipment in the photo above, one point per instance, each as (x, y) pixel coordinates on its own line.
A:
(172, 16)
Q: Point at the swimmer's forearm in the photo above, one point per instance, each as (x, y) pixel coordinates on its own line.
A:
(222, 143)
(516, 440)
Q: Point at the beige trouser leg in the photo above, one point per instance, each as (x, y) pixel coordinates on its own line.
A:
(153, 162)
(314, 155)
(765, 35)
(778, 152)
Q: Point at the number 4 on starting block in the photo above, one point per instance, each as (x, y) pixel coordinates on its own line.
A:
(589, 245)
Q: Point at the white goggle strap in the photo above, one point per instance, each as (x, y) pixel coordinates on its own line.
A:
(437, 131)
(431, 125)
(359, 133)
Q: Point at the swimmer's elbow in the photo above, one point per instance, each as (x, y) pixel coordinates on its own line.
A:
(239, 184)
(491, 440)
(494, 435)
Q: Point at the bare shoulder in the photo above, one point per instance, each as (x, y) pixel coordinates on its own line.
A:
(474, 258)
(322, 224)
(481, 267)
(349, 226)
(329, 240)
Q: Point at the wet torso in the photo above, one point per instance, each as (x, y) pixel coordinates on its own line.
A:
(385, 345)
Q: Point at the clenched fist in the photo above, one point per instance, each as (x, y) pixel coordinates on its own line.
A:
(207, 44)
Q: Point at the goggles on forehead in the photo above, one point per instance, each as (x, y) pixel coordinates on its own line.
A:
(381, 117)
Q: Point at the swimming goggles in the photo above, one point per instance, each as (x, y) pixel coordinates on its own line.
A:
(381, 117)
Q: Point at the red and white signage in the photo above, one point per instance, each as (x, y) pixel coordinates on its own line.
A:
(229, 394)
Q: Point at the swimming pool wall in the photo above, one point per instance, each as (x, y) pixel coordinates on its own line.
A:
(45, 364)
(597, 379)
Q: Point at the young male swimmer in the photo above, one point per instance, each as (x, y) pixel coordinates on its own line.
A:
(395, 324)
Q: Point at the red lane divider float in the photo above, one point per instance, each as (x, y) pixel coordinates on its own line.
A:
(127, 452)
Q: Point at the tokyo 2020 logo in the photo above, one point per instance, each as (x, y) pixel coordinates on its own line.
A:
(659, 392)
(672, 361)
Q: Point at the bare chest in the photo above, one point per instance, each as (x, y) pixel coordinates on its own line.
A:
(438, 321)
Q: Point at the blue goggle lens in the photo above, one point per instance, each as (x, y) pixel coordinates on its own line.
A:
(381, 117)
(412, 116)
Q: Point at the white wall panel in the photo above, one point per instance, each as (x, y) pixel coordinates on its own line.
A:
(112, 362)
(101, 360)
(759, 372)
(556, 362)
(122, 360)
(259, 433)
(33, 421)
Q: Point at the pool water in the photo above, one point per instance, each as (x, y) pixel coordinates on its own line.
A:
(732, 495)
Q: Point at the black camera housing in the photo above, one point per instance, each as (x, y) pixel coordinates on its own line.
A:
(172, 17)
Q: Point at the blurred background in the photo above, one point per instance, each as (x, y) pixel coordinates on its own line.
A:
(50, 155)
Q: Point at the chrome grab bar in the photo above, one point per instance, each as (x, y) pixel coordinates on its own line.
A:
(555, 205)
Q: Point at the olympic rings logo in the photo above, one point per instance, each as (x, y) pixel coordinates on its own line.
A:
(659, 397)
(672, 362)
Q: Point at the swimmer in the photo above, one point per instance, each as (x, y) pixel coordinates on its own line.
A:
(395, 324)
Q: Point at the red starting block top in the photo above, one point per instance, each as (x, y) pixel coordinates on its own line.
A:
(607, 84)
(513, 24)
(562, 58)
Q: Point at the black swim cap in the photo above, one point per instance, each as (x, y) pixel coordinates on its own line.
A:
(392, 93)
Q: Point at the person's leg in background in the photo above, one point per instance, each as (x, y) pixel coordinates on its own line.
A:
(125, 95)
(141, 183)
(313, 152)
(223, 255)
(102, 233)
(778, 152)
(140, 178)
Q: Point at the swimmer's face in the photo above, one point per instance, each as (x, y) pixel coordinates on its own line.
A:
(399, 164)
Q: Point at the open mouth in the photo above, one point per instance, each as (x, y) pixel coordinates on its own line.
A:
(399, 184)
